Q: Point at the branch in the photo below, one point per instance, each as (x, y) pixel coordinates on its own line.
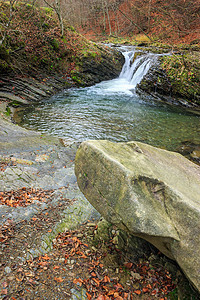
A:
(135, 24)
(49, 4)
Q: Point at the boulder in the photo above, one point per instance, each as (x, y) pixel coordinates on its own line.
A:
(151, 193)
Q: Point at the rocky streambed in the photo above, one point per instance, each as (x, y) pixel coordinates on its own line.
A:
(42, 168)
(43, 200)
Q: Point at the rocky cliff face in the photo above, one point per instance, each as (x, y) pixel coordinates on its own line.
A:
(92, 69)
(175, 79)
(22, 90)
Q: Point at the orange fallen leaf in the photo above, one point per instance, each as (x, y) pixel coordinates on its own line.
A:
(46, 257)
(89, 297)
(118, 286)
(106, 279)
(154, 292)
(110, 293)
(43, 263)
(101, 297)
(116, 294)
(96, 281)
(78, 280)
(56, 267)
(138, 292)
(58, 279)
(145, 290)
(128, 265)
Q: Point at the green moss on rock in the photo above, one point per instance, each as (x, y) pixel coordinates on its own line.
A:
(184, 74)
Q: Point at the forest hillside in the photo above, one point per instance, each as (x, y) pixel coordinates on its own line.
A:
(166, 21)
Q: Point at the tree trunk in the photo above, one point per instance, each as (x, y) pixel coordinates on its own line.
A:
(56, 6)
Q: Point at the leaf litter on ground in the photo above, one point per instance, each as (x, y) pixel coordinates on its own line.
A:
(74, 264)
(24, 196)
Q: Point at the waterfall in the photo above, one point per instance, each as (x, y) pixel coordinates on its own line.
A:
(131, 74)
(134, 71)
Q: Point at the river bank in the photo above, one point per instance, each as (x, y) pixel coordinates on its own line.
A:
(42, 200)
(40, 196)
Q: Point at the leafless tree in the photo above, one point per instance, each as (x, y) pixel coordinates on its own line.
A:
(56, 6)
(5, 27)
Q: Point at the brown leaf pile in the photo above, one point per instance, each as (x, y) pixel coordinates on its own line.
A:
(24, 196)
(153, 281)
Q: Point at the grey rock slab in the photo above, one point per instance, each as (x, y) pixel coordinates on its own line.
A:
(149, 192)
(10, 96)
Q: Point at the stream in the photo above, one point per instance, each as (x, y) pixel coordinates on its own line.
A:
(112, 110)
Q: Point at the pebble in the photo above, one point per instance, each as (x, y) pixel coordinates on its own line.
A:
(91, 224)
(8, 270)
(62, 259)
(72, 262)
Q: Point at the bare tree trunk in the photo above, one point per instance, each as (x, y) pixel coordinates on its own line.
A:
(108, 16)
(104, 15)
(135, 24)
(56, 6)
(5, 27)
(149, 16)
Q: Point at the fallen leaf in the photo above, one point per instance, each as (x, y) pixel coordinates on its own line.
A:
(78, 280)
(58, 279)
(128, 265)
(46, 257)
(116, 295)
(101, 297)
(5, 284)
(145, 290)
(106, 279)
(89, 297)
(4, 292)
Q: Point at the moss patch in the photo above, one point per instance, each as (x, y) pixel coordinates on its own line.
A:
(184, 74)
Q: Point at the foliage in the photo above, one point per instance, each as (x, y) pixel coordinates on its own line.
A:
(184, 73)
(166, 20)
(34, 43)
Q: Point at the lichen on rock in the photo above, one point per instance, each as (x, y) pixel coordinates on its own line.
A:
(148, 192)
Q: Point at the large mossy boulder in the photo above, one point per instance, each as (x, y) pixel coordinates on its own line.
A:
(151, 193)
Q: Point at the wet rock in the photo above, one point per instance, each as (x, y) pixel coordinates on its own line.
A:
(169, 86)
(93, 71)
(191, 150)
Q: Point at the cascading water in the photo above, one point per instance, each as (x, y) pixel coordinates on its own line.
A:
(132, 73)
(112, 110)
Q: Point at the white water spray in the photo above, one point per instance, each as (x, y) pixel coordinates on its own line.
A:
(132, 73)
